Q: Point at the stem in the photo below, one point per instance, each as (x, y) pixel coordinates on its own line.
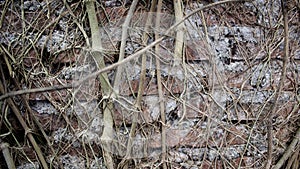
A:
(160, 92)
(280, 87)
(289, 150)
(142, 76)
(9, 160)
(123, 44)
(107, 105)
(179, 33)
(26, 128)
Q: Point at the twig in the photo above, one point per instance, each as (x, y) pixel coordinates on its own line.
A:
(280, 87)
(76, 22)
(4, 9)
(117, 81)
(9, 160)
(160, 91)
(40, 127)
(289, 150)
(26, 128)
(127, 59)
(123, 44)
(36, 90)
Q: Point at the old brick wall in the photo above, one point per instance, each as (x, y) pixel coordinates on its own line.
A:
(216, 101)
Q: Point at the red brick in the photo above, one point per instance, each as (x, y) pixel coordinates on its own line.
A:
(150, 86)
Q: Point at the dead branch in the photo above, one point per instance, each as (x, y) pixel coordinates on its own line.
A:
(160, 92)
(4, 147)
(280, 87)
(117, 81)
(178, 51)
(122, 47)
(288, 152)
(110, 67)
(26, 128)
(25, 101)
(106, 90)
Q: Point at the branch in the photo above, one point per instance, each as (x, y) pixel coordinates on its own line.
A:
(107, 106)
(26, 128)
(179, 33)
(25, 101)
(280, 87)
(6, 154)
(117, 81)
(110, 67)
(289, 150)
(122, 47)
(160, 91)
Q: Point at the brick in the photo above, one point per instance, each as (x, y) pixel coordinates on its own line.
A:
(247, 162)
(173, 85)
(196, 51)
(235, 136)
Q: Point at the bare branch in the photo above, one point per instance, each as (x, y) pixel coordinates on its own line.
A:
(280, 87)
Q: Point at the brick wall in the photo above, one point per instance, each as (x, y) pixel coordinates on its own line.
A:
(216, 101)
